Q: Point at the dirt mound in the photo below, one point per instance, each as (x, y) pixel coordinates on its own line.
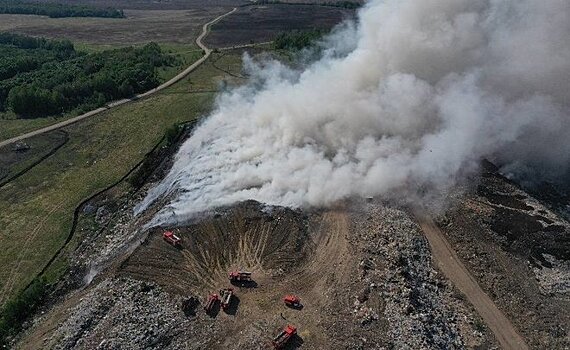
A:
(268, 241)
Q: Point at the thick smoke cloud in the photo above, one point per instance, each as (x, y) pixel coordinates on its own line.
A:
(405, 101)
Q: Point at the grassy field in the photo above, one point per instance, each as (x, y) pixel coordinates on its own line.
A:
(186, 55)
(153, 4)
(36, 209)
(14, 127)
(13, 162)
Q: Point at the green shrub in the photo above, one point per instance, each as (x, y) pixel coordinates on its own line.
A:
(16, 311)
(296, 39)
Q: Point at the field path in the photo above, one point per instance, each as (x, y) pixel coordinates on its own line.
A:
(177, 78)
(457, 273)
(14, 270)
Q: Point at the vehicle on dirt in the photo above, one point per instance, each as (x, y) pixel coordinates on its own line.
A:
(284, 337)
(213, 299)
(292, 300)
(171, 238)
(240, 276)
(226, 297)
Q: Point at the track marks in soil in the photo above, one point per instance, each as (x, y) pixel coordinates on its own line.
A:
(286, 251)
(331, 253)
(9, 284)
(242, 237)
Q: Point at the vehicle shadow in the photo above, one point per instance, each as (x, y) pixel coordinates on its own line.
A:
(295, 307)
(244, 284)
(294, 343)
(213, 313)
(189, 306)
(233, 307)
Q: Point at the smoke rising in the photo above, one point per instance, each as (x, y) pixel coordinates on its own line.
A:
(407, 100)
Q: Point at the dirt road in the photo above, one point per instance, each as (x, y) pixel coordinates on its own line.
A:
(177, 78)
(456, 272)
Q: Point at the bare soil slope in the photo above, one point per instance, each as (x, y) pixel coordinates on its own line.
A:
(239, 237)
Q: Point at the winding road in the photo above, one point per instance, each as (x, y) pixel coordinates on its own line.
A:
(452, 267)
(177, 78)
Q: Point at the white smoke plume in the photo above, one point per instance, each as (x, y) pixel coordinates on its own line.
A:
(411, 96)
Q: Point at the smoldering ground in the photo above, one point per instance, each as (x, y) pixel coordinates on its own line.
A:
(412, 95)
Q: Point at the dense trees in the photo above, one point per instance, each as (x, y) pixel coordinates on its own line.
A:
(18, 309)
(41, 77)
(56, 10)
(296, 40)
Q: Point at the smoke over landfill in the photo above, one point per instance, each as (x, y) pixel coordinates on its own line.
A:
(412, 96)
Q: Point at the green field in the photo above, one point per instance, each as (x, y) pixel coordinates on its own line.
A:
(186, 55)
(14, 162)
(36, 209)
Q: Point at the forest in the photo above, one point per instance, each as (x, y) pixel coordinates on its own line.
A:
(55, 10)
(40, 77)
(297, 39)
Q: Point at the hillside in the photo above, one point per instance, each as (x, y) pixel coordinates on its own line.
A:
(363, 269)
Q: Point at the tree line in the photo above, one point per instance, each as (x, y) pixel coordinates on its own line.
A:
(297, 39)
(56, 10)
(40, 77)
(17, 310)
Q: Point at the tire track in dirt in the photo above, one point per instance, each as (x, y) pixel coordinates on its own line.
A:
(327, 272)
(452, 267)
(330, 251)
(23, 250)
(288, 252)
